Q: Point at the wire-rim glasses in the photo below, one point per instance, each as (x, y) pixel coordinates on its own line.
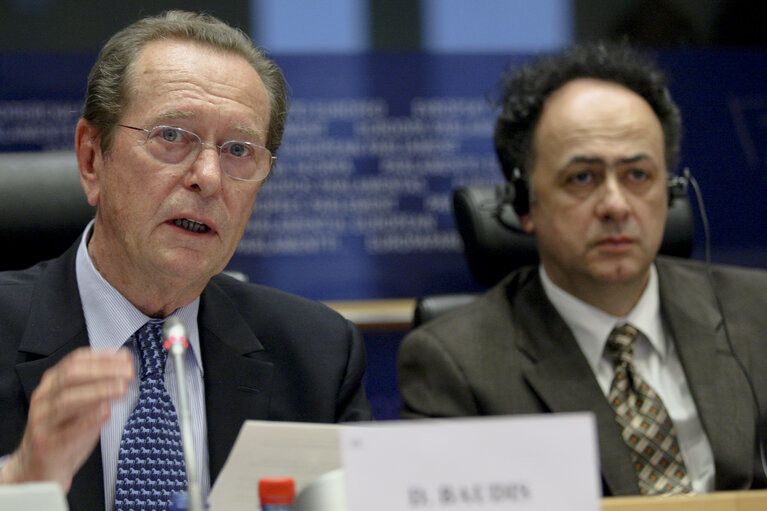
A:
(239, 160)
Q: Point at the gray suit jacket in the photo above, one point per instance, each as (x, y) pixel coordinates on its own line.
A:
(267, 355)
(510, 352)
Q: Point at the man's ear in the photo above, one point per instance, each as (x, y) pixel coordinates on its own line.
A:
(90, 160)
(527, 223)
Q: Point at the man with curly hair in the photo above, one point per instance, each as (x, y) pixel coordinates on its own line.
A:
(587, 139)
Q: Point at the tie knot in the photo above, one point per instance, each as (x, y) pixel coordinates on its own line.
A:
(150, 348)
(620, 343)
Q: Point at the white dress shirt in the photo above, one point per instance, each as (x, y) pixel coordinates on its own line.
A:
(111, 320)
(655, 359)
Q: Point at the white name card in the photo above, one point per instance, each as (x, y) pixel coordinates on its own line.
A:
(535, 462)
(45, 496)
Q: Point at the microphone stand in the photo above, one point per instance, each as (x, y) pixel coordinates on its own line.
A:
(176, 343)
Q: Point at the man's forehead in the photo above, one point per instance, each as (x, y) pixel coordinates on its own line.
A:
(175, 78)
(167, 60)
(596, 119)
(585, 102)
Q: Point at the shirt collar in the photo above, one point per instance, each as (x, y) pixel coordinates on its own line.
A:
(591, 326)
(109, 317)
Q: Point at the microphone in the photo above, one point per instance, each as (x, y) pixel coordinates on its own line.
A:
(174, 340)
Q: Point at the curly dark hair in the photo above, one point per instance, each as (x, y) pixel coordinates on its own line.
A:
(526, 89)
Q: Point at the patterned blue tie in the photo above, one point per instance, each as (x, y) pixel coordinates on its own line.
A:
(150, 468)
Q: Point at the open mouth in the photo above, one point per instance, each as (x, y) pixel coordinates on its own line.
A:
(191, 225)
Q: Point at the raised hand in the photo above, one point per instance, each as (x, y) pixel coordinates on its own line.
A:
(66, 413)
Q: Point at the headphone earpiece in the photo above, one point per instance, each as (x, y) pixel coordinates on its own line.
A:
(677, 185)
(521, 199)
(513, 200)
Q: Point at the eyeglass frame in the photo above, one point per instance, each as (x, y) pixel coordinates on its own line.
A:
(218, 147)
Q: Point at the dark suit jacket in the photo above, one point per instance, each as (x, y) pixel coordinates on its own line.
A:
(267, 355)
(510, 352)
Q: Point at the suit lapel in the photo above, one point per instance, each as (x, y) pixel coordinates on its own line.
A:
(564, 381)
(718, 386)
(237, 378)
(56, 326)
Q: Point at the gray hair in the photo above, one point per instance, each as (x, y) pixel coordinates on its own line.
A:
(107, 94)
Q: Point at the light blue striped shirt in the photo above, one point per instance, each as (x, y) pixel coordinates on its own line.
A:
(111, 320)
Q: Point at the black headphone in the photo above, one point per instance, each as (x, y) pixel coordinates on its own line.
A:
(514, 197)
(513, 200)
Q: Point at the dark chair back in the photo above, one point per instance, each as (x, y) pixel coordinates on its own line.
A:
(42, 206)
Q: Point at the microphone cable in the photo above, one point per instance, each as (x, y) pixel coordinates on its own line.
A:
(687, 176)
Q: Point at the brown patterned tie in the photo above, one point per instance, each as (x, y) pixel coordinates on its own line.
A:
(647, 427)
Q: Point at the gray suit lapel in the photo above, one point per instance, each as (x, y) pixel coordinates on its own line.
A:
(719, 388)
(237, 378)
(564, 381)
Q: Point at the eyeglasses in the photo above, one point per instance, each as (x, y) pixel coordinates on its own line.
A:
(243, 161)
